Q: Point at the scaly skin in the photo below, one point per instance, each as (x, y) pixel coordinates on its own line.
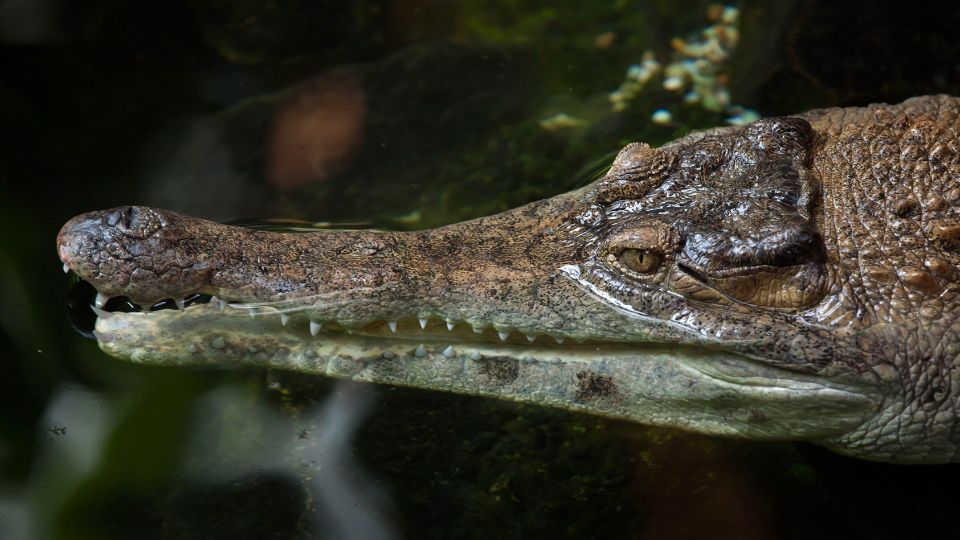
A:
(791, 279)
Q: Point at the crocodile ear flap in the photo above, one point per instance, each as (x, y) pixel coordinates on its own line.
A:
(785, 139)
(637, 169)
(782, 137)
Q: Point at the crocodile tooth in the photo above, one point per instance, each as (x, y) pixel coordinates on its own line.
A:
(66, 268)
(181, 305)
(559, 339)
(314, 328)
(531, 338)
(284, 318)
(423, 323)
(421, 350)
(503, 335)
(450, 325)
(393, 326)
(475, 356)
(449, 352)
(100, 300)
(477, 329)
(221, 305)
(252, 312)
(103, 314)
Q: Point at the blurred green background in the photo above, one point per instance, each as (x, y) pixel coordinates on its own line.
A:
(400, 114)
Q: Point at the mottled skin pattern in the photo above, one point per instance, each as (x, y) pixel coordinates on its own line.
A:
(795, 278)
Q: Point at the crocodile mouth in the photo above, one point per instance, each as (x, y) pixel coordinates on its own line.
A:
(688, 386)
(87, 305)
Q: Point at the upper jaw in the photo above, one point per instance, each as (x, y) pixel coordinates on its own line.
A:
(475, 275)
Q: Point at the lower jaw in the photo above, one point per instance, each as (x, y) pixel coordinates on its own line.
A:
(690, 387)
(248, 336)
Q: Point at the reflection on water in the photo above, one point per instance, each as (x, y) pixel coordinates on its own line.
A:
(317, 127)
(73, 432)
(349, 502)
(406, 114)
(311, 453)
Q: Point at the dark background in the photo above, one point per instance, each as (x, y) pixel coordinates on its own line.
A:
(177, 104)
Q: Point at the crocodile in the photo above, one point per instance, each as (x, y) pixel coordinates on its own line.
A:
(795, 278)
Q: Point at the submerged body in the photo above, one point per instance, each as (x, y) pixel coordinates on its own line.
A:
(796, 278)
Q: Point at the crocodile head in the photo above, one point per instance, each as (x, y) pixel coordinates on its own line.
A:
(732, 282)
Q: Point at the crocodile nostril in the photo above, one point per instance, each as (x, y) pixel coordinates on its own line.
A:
(132, 217)
(134, 221)
(129, 218)
(125, 217)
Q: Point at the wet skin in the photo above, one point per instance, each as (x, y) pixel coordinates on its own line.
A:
(795, 278)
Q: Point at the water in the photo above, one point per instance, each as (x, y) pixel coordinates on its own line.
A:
(403, 115)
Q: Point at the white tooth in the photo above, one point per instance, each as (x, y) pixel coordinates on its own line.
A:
(559, 339)
(100, 300)
(477, 329)
(475, 356)
(101, 313)
(66, 268)
(314, 328)
(180, 303)
(503, 335)
(449, 352)
(251, 312)
(531, 338)
(423, 323)
(393, 326)
(221, 304)
(388, 355)
(420, 350)
(284, 319)
(450, 325)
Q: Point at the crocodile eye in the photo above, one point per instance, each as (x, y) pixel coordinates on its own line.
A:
(642, 261)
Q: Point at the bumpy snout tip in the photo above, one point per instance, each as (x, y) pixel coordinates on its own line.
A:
(126, 251)
(81, 235)
(77, 238)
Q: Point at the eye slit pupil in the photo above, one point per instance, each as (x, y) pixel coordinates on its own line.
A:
(642, 261)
